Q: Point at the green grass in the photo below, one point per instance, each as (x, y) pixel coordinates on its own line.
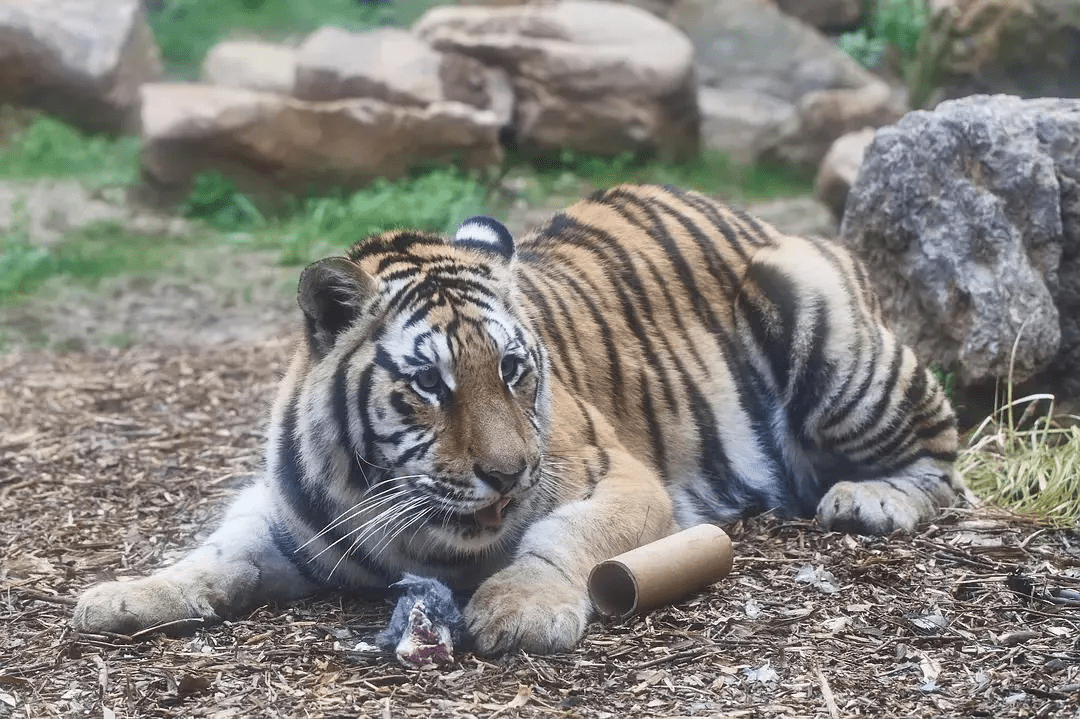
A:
(186, 29)
(100, 250)
(896, 23)
(436, 201)
(49, 148)
(711, 173)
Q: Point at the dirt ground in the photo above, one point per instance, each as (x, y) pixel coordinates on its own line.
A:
(114, 460)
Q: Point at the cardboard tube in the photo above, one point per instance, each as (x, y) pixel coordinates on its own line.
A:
(660, 572)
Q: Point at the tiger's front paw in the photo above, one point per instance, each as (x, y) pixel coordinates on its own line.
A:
(530, 605)
(873, 507)
(128, 607)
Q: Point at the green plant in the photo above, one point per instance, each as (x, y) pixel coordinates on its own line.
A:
(100, 250)
(22, 265)
(945, 377)
(436, 201)
(899, 23)
(710, 172)
(214, 198)
(864, 49)
(50, 148)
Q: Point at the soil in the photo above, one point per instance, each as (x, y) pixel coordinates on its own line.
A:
(113, 460)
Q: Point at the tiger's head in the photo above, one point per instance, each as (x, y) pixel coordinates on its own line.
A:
(430, 388)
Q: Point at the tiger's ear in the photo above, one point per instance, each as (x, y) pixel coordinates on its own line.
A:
(331, 293)
(487, 235)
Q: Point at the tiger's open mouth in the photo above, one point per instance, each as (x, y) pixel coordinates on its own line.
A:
(491, 516)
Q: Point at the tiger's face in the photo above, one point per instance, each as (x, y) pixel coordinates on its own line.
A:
(441, 385)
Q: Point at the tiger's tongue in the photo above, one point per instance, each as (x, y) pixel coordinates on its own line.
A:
(490, 517)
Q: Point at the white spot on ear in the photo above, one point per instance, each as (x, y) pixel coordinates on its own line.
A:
(486, 234)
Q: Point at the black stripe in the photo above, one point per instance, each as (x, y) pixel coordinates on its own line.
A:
(656, 434)
(312, 509)
(813, 375)
(874, 415)
(286, 544)
(614, 357)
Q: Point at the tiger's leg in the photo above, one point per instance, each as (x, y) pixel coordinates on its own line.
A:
(540, 603)
(870, 419)
(237, 568)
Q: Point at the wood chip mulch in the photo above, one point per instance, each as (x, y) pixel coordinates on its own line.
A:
(112, 462)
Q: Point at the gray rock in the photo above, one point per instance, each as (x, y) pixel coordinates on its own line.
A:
(741, 123)
(750, 46)
(968, 218)
(80, 59)
(804, 216)
(589, 75)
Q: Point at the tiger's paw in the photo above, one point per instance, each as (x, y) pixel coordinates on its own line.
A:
(529, 605)
(873, 507)
(129, 607)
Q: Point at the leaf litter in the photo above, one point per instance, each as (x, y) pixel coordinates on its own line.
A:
(113, 462)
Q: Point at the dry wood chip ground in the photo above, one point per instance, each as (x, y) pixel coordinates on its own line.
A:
(113, 461)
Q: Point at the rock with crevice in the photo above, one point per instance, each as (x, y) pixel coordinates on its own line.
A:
(591, 76)
(395, 66)
(82, 60)
(968, 218)
(270, 143)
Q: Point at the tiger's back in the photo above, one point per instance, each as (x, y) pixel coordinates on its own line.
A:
(751, 368)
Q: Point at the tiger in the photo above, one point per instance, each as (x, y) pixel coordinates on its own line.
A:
(502, 413)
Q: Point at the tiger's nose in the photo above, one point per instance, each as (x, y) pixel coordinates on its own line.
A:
(501, 482)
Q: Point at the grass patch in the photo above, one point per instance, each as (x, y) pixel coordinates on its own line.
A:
(1029, 464)
(1027, 461)
(100, 250)
(435, 201)
(186, 29)
(711, 173)
(50, 148)
(438, 199)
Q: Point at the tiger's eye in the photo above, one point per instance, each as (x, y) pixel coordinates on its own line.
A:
(510, 367)
(428, 379)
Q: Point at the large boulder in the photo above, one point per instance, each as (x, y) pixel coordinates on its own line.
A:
(750, 46)
(592, 76)
(269, 142)
(1029, 48)
(395, 66)
(80, 59)
(968, 218)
